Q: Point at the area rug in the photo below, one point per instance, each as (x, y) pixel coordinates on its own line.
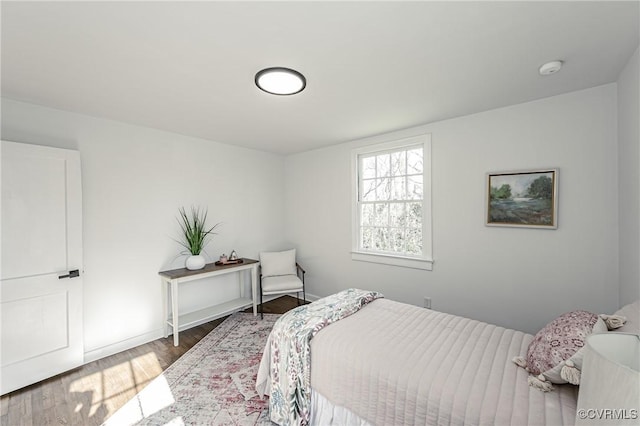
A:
(212, 384)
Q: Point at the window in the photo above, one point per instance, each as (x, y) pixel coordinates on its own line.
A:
(392, 203)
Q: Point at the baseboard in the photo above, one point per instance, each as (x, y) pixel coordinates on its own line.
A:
(308, 297)
(122, 345)
(312, 297)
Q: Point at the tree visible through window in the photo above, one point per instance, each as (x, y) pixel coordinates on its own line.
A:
(390, 201)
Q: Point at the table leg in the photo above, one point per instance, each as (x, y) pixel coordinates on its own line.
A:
(165, 307)
(174, 310)
(254, 289)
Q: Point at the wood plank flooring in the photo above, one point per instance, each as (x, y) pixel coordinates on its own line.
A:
(90, 394)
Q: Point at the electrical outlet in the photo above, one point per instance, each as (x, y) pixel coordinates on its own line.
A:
(427, 302)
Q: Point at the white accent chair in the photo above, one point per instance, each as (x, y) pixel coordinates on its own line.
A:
(280, 274)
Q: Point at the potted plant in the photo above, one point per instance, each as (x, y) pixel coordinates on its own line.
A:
(195, 235)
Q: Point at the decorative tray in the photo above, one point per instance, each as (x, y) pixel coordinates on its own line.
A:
(229, 262)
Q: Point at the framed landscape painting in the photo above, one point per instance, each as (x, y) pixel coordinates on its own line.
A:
(523, 199)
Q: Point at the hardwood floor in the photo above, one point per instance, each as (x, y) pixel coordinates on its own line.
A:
(90, 394)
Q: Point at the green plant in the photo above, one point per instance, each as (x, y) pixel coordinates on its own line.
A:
(195, 235)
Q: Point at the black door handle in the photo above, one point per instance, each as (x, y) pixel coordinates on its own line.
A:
(72, 274)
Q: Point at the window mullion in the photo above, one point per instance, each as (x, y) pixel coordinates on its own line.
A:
(381, 168)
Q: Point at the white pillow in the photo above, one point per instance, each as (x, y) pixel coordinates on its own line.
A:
(632, 313)
(278, 263)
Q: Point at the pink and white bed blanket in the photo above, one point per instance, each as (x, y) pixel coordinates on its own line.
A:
(284, 371)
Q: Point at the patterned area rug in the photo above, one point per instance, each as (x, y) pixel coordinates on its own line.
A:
(212, 384)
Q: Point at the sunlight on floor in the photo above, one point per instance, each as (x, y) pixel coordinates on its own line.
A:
(114, 385)
(152, 399)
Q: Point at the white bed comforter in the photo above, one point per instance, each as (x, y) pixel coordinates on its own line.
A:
(398, 364)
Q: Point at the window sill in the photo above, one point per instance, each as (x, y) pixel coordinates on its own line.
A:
(406, 262)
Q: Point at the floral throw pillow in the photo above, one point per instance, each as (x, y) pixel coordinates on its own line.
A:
(560, 340)
(555, 354)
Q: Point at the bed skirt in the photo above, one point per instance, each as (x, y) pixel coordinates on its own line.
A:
(324, 412)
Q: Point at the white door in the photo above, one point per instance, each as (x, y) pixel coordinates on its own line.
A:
(40, 309)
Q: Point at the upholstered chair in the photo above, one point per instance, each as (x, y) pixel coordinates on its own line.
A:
(280, 274)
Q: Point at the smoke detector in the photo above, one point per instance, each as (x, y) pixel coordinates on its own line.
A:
(550, 68)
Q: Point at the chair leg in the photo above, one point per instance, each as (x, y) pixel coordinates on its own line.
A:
(304, 295)
(261, 307)
(297, 298)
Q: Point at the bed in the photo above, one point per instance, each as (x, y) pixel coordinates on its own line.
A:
(424, 367)
(427, 367)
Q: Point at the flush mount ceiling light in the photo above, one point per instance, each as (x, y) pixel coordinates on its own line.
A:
(280, 81)
(550, 68)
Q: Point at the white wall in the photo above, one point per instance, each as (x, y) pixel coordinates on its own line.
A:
(134, 180)
(629, 180)
(519, 278)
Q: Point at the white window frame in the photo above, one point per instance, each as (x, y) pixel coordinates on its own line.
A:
(425, 261)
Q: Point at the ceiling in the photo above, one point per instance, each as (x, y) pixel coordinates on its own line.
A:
(371, 67)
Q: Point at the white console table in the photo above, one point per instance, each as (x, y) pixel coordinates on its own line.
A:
(175, 277)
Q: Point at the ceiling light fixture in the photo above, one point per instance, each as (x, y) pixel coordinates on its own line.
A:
(280, 81)
(550, 68)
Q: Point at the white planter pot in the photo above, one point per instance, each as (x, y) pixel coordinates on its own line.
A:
(195, 262)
